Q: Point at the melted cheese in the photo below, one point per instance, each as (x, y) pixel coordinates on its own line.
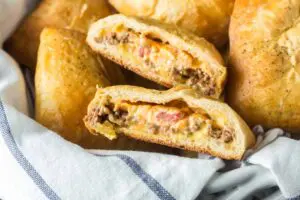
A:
(201, 134)
(161, 55)
(107, 129)
(174, 120)
(144, 114)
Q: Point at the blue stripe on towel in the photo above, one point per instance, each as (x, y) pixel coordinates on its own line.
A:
(295, 198)
(153, 184)
(21, 159)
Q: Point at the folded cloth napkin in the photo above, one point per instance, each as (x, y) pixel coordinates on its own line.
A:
(36, 163)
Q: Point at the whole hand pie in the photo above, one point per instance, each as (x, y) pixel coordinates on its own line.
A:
(65, 81)
(70, 14)
(174, 118)
(161, 53)
(264, 84)
(206, 18)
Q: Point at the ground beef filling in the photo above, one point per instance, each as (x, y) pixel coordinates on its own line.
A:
(165, 122)
(195, 78)
(114, 38)
(180, 71)
(224, 134)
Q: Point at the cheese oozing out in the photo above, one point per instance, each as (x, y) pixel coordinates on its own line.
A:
(159, 58)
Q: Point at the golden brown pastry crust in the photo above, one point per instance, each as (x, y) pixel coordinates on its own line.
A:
(244, 138)
(197, 47)
(70, 14)
(209, 19)
(66, 77)
(264, 85)
(65, 81)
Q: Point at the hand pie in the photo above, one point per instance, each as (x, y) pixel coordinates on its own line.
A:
(264, 56)
(161, 53)
(208, 19)
(174, 118)
(70, 14)
(66, 77)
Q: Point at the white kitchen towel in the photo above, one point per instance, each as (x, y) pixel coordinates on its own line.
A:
(36, 163)
(40, 164)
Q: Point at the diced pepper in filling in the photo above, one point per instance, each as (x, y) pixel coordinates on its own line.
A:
(160, 58)
(171, 119)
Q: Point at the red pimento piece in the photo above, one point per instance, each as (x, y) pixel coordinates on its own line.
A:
(169, 117)
(144, 51)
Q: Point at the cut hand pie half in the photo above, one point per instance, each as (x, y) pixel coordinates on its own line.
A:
(174, 118)
(159, 52)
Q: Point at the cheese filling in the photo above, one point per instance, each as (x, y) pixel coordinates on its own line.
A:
(172, 119)
(159, 58)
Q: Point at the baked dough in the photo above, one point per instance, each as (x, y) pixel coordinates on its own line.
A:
(175, 118)
(71, 14)
(161, 53)
(209, 19)
(65, 82)
(264, 84)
